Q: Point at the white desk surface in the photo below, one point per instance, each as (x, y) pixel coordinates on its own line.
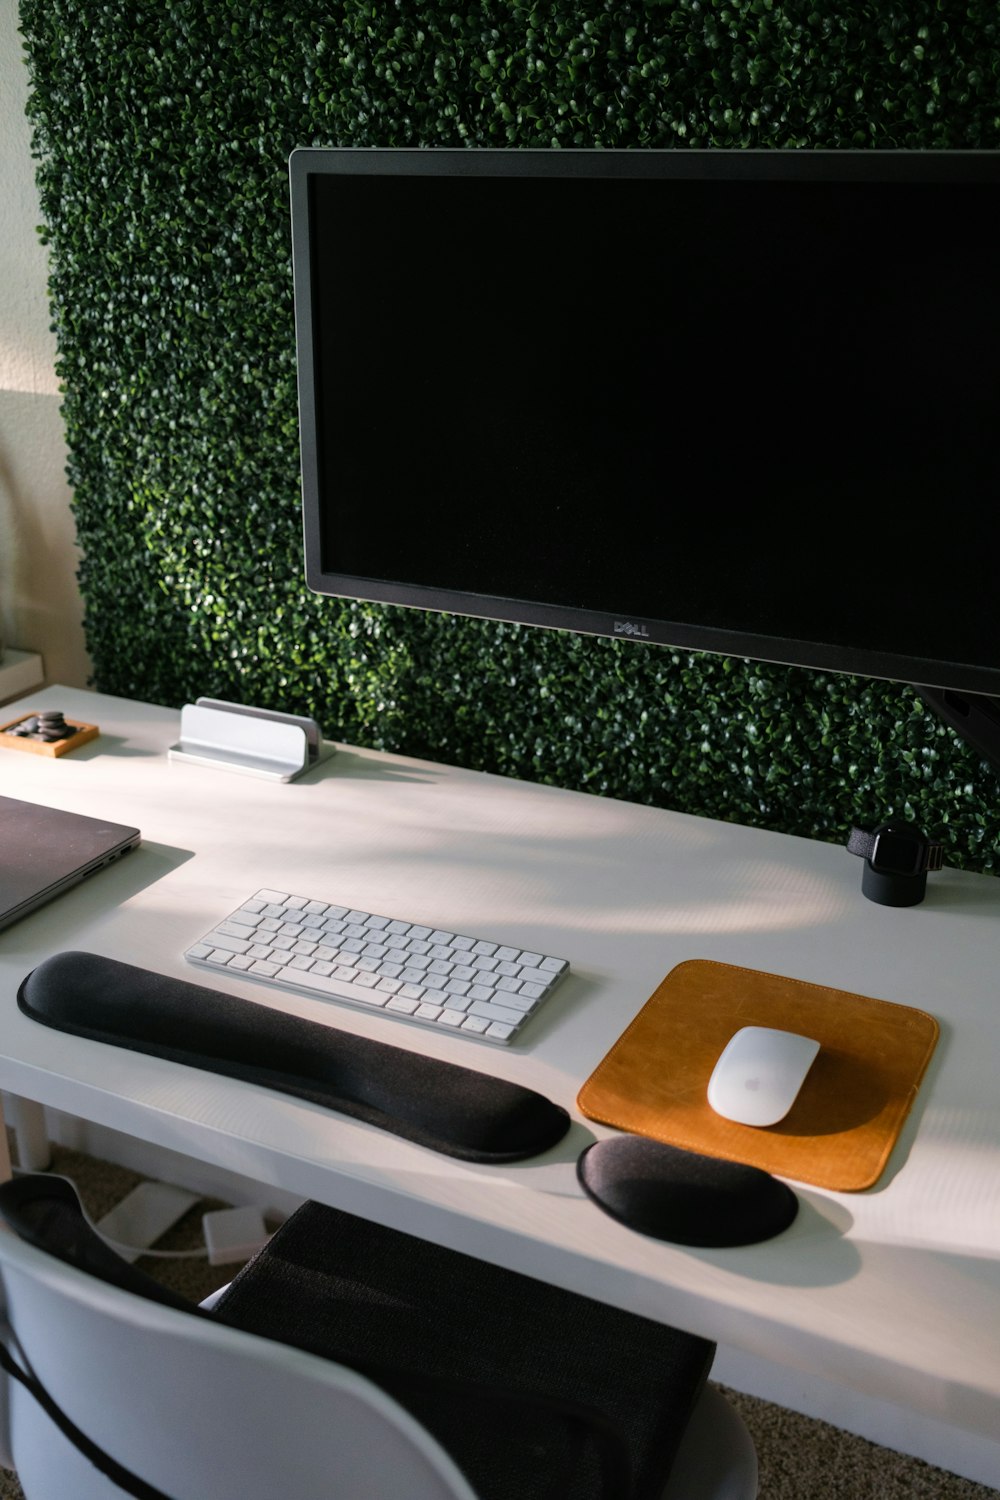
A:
(894, 1292)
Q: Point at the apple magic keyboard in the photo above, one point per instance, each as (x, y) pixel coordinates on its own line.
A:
(456, 982)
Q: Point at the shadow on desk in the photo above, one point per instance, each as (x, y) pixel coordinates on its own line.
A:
(348, 765)
(115, 745)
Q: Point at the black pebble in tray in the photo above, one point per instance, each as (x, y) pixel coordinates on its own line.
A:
(48, 725)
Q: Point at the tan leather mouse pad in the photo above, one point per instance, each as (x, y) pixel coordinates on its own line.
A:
(848, 1114)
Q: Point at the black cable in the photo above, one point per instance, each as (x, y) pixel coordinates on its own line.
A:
(131, 1483)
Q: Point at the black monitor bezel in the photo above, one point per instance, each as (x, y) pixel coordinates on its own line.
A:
(862, 165)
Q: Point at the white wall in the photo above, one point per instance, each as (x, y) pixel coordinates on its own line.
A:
(40, 605)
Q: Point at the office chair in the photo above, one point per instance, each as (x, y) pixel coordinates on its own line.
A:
(176, 1401)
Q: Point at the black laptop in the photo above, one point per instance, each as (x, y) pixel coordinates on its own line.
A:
(44, 852)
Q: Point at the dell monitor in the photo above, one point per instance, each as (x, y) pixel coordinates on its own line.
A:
(744, 402)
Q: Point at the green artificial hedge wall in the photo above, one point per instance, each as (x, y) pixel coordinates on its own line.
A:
(162, 130)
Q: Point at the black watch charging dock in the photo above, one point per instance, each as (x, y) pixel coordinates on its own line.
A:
(897, 859)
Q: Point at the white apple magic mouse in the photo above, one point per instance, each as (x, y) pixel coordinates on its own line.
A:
(759, 1073)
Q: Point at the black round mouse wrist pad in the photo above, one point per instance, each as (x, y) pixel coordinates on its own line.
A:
(684, 1196)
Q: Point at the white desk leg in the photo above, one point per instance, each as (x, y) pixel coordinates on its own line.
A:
(27, 1120)
(5, 1172)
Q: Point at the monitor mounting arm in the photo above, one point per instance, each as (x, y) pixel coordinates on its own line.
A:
(975, 716)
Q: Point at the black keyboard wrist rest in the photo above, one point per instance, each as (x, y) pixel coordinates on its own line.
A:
(455, 1110)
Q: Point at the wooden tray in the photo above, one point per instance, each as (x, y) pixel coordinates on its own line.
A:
(82, 733)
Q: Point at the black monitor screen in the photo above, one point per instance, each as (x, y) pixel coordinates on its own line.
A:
(740, 402)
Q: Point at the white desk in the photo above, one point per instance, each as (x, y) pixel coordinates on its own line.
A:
(884, 1302)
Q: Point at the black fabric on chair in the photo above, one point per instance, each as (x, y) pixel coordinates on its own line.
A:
(466, 1340)
(47, 1213)
(440, 1105)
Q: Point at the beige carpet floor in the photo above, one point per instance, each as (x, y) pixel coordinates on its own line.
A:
(800, 1459)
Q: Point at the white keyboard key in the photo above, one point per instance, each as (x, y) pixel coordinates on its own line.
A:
(531, 974)
(522, 1003)
(235, 929)
(220, 939)
(496, 1013)
(323, 984)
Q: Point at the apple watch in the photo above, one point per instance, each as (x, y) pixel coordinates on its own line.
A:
(896, 849)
